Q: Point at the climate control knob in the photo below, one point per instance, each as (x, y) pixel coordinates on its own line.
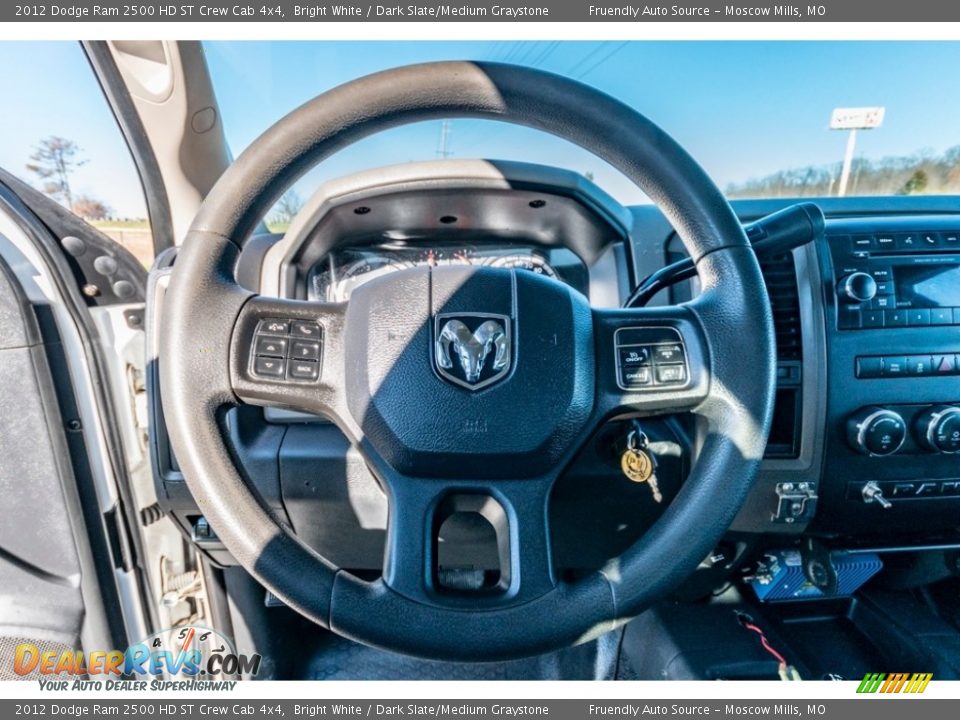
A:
(857, 287)
(938, 429)
(876, 431)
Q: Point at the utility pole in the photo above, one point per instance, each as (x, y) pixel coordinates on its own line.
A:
(853, 119)
(443, 150)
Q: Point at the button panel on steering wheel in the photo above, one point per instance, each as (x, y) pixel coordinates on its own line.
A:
(287, 350)
(650, 358)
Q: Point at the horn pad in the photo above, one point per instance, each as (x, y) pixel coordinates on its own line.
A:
(469, 372)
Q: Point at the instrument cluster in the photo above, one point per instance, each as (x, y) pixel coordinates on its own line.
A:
(335, 278)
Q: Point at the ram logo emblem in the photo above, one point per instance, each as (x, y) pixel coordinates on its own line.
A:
(472, 351)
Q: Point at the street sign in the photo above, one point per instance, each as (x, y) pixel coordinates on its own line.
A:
(862, 118)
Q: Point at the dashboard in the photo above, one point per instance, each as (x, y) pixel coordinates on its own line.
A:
(866, 430)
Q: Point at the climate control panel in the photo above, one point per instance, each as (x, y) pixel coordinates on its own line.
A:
(907, 429)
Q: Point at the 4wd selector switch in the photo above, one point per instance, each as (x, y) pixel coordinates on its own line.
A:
(876, 431)
(938, 429)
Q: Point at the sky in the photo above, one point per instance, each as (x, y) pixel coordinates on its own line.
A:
(742, 109)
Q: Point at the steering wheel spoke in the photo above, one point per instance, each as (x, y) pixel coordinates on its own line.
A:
(650, 360)
(483, 544)
(284, 353)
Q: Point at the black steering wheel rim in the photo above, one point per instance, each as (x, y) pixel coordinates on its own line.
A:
(199, 358)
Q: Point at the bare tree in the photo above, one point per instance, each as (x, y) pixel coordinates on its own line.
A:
(90, 208)
(54, 160)
(287, 207)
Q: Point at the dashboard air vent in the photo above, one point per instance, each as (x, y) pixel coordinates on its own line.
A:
(780, 276)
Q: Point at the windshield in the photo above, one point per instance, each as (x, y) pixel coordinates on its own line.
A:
(756, 115)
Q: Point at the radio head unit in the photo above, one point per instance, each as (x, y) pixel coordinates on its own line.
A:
(909, 278)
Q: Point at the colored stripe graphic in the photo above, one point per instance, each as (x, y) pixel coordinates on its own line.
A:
(894, 683)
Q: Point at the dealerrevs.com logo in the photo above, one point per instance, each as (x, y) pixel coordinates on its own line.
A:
(189, 657)
(894, 683)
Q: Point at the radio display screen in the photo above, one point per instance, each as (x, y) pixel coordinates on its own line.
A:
(926, 286)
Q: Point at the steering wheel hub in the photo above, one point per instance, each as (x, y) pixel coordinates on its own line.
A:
(428, 420)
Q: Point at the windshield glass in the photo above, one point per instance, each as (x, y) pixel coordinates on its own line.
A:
(756, 115)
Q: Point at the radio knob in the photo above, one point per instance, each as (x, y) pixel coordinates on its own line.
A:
(858, 287)
(876, 431)
(938, 429)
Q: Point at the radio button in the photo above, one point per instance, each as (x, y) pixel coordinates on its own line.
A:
(863, 242)
(941, 316)
(885, 242)
(872, 319)
(908, 241)
(848, 317)
(882, 274)
(894, 318)
(918, 316)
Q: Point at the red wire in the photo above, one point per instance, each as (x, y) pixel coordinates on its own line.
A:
(765, 643)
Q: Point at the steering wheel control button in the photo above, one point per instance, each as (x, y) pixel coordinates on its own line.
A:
(271, 347)
(668, 354)
(650, 358)
(268, 367)
(304, 350)
(274, 327)
(670, 374)
(636, 377)
(303, 370)
(288, 350)
(634, 356)
(303, 329)
(876, 431)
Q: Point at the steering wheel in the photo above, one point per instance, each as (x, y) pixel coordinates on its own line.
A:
(434, 443)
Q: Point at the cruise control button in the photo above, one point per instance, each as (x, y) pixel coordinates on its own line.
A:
(634, 356)
(305, 350)
(274, 327)
(275, 347)
(268, 367)
(671, 374)
(305, 329)
(668, 353)
(636, 376)
(303, 370)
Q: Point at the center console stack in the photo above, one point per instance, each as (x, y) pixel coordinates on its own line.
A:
(892, 301)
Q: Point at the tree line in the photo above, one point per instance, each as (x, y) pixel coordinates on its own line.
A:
(922, 173)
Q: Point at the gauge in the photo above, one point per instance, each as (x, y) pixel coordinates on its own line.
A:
(336, 284)
(526, 261)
